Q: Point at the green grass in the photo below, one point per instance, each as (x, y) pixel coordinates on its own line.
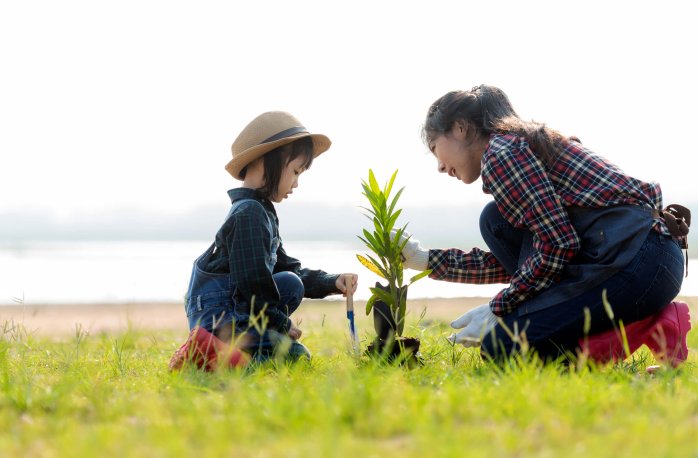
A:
(111, 395)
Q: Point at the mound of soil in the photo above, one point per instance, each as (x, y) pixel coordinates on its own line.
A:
(404, 350)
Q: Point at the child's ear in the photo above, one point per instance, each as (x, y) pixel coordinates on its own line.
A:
(254, 171)
(256, 164)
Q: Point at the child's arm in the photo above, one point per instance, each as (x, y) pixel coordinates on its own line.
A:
(317, 283)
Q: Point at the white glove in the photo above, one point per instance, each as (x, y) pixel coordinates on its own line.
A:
(414, 255)
(475, 324)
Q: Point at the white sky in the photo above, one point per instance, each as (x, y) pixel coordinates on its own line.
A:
(135, 103)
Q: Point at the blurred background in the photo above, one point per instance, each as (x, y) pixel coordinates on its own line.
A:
(116, 120)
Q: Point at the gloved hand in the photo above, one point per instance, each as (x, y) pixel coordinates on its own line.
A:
(414, 255)
(475, 324)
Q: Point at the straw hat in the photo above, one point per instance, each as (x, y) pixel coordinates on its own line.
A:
(266, 132)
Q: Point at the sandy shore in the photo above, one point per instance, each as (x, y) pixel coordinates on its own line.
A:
(63, 320)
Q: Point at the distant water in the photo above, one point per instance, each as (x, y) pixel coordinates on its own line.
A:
(118, 272)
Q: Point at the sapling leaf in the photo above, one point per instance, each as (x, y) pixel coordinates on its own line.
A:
(366, 242)
(389, 186)
(372, 181)
(401, 315)
(370, 266)
(420, 275)
(369, 304)
(378, 226)
(369, 210)
(373, 200)
(394, 201)
(397, 246)
(399, 233)
(368, 194)
(391, 221)
(382, 205)
(389, 252)
(374, 244)
(380, 265)
(384, 296)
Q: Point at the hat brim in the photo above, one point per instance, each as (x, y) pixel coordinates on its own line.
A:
(321, 143)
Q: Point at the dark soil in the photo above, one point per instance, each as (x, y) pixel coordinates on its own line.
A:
(404, 350)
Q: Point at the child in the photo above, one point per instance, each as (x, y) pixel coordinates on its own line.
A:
(245, 286)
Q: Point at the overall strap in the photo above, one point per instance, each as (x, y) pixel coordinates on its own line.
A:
(236, 204)
(234, 207)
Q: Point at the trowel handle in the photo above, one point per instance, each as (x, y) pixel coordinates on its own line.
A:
(349, 283)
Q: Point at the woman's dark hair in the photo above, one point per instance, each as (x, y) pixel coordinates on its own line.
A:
(488, 109)
(545, 142)
(277, 159)
(481, 106)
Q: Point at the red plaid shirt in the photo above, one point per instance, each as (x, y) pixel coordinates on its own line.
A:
(532, 196)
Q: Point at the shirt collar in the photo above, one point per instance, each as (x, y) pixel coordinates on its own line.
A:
(249, 193)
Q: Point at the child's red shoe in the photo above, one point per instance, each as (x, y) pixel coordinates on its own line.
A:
(208, 352)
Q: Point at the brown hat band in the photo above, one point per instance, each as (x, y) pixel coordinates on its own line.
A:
(284, 134)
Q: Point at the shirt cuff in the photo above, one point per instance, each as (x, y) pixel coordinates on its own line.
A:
(329, 284)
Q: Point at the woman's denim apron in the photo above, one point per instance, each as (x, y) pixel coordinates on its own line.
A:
(639, 270)
(210, 303)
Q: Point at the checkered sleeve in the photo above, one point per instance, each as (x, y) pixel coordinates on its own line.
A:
(476, 266)
(526, 198)
(250, 253)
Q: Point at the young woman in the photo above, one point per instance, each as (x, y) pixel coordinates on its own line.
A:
(567, 230)
(245, 287)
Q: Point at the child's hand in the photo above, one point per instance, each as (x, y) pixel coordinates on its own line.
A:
(342, 283)
(294, 332)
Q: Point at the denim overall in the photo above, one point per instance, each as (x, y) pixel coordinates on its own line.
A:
(210, 303)
(640, 270)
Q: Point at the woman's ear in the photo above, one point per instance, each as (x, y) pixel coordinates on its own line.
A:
(460, 129)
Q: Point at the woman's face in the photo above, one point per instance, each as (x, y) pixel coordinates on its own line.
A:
(456, 156)
(289, 178)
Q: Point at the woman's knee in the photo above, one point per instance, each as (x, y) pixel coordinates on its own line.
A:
(490, 218)
(504, 240)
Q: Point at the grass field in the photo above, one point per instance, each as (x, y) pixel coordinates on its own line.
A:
(110, 394)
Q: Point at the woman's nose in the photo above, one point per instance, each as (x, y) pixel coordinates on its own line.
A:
(441, 167)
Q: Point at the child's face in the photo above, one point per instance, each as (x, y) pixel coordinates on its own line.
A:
(289, 178)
